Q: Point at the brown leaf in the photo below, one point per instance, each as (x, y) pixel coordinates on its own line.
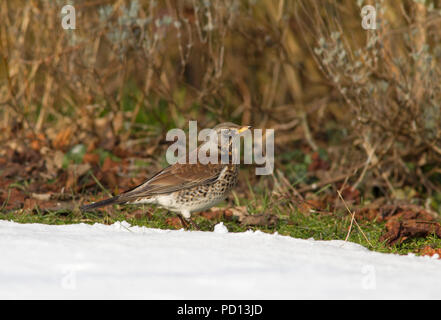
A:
(429, 251)
(317, 163)
(54, 163)
(109, 179)
(29, 203)
(12, 170)
(36, 145)
(309, 206)
(212, 215)
(246, 219)
(217, 213)
(109, 164)
(403, 221)
(350, 194)
(367, 213)
(140, 213)
(10, 197)
(174, 222)
(62, 140)
(91, 158)
(239, 212)
(75, 172)
(410, 224)
(260, 220)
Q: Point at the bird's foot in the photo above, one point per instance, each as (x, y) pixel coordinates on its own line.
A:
(183, 222)
(186, 221)
(194, 224)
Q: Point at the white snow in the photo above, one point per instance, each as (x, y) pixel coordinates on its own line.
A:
(121, 261)
(220, 228)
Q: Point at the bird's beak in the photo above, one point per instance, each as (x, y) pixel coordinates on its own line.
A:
(245, 128)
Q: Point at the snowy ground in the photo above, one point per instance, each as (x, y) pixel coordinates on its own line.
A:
(119, 261)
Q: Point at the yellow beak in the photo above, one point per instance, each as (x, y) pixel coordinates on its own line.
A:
(245, 128)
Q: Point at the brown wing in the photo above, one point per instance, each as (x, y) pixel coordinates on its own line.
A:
(174, 178)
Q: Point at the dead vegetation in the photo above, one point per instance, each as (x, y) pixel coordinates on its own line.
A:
(83, 113)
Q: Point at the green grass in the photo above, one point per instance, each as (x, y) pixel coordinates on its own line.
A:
(294, 224)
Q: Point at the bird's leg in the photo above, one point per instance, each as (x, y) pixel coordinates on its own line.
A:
(193, 224)
(183, 222)
(187, 216)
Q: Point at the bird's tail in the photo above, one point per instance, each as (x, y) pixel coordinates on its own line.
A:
(102, 203)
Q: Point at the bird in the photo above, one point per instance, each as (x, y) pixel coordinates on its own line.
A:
(185, 188)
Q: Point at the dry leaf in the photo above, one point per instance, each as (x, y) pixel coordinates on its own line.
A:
(62, 140)
(429, 251)
(260, 220)
(42, 196)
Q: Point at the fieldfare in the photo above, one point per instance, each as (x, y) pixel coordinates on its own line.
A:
(185, 187)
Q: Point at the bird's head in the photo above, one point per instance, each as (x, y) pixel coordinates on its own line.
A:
(229, 129)
(227, 133)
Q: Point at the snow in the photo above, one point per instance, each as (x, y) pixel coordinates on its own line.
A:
(220, 228)
(123, 261)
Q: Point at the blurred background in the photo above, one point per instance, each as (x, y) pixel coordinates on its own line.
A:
(86, 111)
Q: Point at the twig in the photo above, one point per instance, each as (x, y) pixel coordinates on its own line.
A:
(343, 176)
(352, 221)
(6, 201)
(370, 159)
(308, 135)
(100, 185)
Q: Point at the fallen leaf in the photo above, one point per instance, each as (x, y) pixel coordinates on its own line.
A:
(62, 140)
(309, 206)
(54, 163)
(174, 222)
(29, 203)
(239, 212)
(260, 220)
(80, 169)
(75, 172)
(317, 163)
(350, 194)
(41, 197)
(212, 215)
(91, 158)
(109, 164)
(429, 251)
(403, 221)
(410, 223)
(246, 219)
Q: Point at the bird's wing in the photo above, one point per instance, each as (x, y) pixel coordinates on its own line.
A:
(174, 178)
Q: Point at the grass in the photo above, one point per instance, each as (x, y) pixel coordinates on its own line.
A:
(255, 196)
(294, 224)
(172, 98)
